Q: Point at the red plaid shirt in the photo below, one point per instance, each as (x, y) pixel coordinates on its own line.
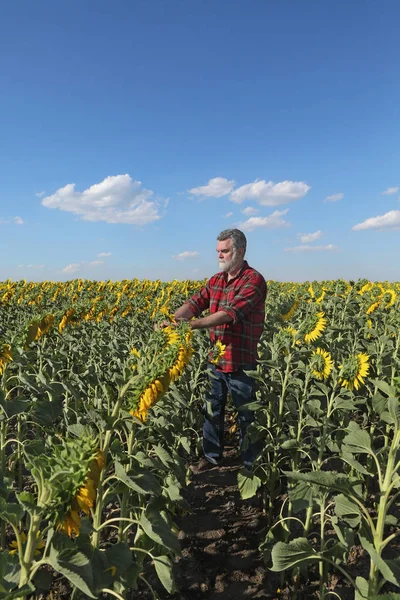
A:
(243, 299)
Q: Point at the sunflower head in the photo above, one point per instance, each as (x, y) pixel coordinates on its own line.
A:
(353, 370)
(313, 326)
(321, 364)
(389, 297)
(286, 338)
(39, 545)
(217, 352)
(288, 308)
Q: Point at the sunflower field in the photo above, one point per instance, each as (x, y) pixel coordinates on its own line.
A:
(99, 420)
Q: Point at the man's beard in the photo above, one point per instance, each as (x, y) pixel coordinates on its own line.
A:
(229, 265)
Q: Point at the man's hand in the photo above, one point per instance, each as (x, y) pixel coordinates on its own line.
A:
(162, 325)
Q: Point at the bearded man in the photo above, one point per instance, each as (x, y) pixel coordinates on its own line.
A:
(235, 298)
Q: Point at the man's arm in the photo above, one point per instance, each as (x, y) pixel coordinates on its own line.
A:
(184, 313)
(194, 306)
(218, 318)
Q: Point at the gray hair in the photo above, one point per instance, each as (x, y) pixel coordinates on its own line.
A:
(238, 238)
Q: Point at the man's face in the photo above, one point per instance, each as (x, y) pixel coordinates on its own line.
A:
(228, 258)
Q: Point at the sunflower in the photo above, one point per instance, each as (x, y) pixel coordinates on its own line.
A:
(314, 326)
(158, 387)
(293, 334)
(40, 544)
(5, 356)
(285, 338)
(373, 307)
(84, 498)
(389, 297)
(218, 351)
(353, 370)
(71, 524)
(289, 314)
(321, 364)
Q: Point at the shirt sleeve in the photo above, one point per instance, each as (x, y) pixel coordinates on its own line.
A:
(248, 297)
(200, 301)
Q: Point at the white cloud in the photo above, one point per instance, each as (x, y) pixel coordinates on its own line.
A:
(391, 190)
(187, 254)
(334, 197)
(250, 210)
(311, 248)
(72, 268)
(103, 254)
(274, 221)
(116, 199)
(306, 238)
(270, 193)
(390, 220)
(228, 214)
(215, 188)
(40, 194)
(15, 220)
(95, 263)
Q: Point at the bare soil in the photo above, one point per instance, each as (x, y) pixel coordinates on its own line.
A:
(220, 559)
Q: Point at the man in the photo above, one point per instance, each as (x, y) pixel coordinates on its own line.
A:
(236, 299)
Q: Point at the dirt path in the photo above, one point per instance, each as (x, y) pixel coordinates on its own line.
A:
(219, 540)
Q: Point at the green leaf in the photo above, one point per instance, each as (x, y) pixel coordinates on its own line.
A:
(23, 591)
(389, 596)
(290, 444)
(379, 403)
(142, 482)
(286, 556)
(325, 479)
(347, 510)
(28, 502)
(248, 483)
(119, 556)
(10, 571)
(344, 403)
(157, 529)
(394, 411)
(361, 592)
(389, 569)
(163, 566)
(15, 406)
(72, 563)
(384, 387)
(391, 520)
(29, 382)
(78, 430)
(345, 534)
(358, 440)
(350, 460)
(46, 411)
(185, 443)
(301, 496)
(34, 448)
(163, 455)
(11, 512)
(173, 488)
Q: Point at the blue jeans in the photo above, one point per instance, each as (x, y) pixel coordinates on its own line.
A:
(242, 389)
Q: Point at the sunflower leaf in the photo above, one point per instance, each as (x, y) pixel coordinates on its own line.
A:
(286, 556)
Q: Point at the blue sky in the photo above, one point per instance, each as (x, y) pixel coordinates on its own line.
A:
(132, 133)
